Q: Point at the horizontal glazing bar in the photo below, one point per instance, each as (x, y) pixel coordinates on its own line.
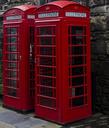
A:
(8, 78)
(47, 107)
(46, 66)
(84, 55)
(47, 97)
(52, 87)
(77, 45)
(45, 36)
(75, 97)
(51, 56)
(16, 52)
(85, 85)
(76, 107)
(75, 76)
(74, 66)
(51, 46)
(10, 87)
(38, 75)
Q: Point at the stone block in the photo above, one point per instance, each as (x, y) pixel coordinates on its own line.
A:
(96, 3)
(105, 68)
(96, 36)
(98, 47)
(99, 23)
(97, 67)
(105, 100)
(100, 10)
(82, 2)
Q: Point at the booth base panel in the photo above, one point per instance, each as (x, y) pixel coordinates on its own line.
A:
(17, 110)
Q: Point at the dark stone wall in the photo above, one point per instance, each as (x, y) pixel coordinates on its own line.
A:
(100, 54)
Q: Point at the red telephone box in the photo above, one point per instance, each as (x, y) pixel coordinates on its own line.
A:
(62, 52)
(18, 58)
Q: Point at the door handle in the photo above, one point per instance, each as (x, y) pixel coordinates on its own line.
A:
(20, 57)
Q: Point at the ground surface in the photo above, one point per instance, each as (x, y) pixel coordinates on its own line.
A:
(12, 119)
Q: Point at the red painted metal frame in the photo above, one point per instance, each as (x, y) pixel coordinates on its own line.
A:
(24, 99)
(64, 112)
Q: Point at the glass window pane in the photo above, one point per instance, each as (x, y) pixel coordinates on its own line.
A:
(46, 61)
(46, 41)
(47, 102)
(11, 83)
(12, 74)
(79, 91)
(46, 50)
(45, 31)
(13, 30)
(12, 92)
(12, 65)
(46, 91)
(77, 101)
(77, 30)
(77, 40)
(12, 56)
(46, 81)
(77, 81)
(47, 71)
(12, 39)
(77, 50)
(78, 71)
(77, 60)
(12, 48)
(8, 30)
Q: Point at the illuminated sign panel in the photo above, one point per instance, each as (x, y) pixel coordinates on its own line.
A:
(76, 14)
(31, 17)
(18, 17)
(51, 14)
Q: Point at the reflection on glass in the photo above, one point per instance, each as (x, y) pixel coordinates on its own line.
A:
(47, 102)
(11, 30)
(45, 31)
(46, 91)
(11, 83)
(77, 81)
(77, 102)
(12, 92)
(77, 40)
(47, 61)
(78, 71)
(12, 39)
(8, 30)
(12, 48)
(12, 56)
(46, 41)
(12, 65)
(46, 50)
(80, 50)
(46, 81)
(46, 71)
(12, 74)
(77, 30)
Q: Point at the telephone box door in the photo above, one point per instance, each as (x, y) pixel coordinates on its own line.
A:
(47, 48)
(78, 90)
(12, 56)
